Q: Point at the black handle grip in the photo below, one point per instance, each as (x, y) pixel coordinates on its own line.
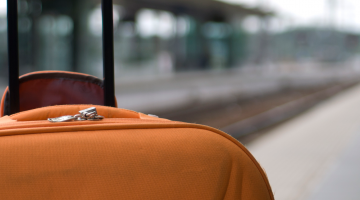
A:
(108, 52)
(13, 54)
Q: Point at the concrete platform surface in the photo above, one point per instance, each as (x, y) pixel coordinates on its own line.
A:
(343, 180)
(316, 155)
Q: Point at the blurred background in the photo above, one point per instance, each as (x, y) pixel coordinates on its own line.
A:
(156, 38)
(248, 67)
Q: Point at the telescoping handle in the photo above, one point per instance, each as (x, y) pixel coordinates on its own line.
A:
(108, 52)
(13, 54)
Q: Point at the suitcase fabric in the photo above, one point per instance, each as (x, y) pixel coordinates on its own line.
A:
(127, 155)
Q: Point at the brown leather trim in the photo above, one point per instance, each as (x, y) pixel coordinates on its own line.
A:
(3, 99)
(6, 105)
(62, 75)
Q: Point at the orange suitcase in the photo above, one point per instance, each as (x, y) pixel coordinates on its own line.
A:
(126, 155)
(50, 151)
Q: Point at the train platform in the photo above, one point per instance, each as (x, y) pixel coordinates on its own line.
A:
(315, 156)
(173, 92)
(191, 89)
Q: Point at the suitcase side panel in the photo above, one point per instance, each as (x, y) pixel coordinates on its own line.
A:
(116, 120)
(153, 163)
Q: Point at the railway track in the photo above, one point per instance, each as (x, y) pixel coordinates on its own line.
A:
(245, 118)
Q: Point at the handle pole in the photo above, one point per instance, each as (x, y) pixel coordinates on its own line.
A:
(108, 52)
(13, 55)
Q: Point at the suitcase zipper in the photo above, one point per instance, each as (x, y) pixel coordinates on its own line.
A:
(86, 114)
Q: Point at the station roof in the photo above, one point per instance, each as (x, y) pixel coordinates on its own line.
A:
(196, 7)
(202, 9)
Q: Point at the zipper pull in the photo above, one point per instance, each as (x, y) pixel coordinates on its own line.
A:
(67, 118)
(86, 114)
